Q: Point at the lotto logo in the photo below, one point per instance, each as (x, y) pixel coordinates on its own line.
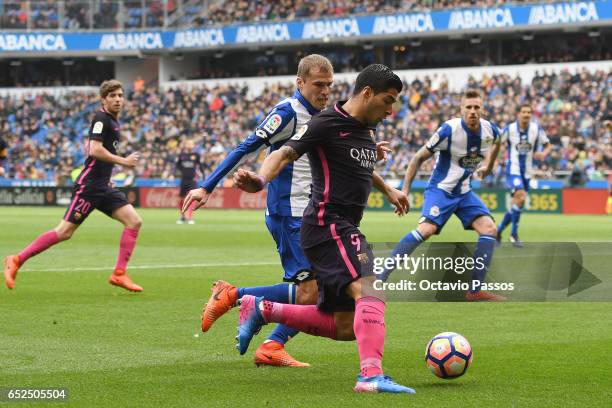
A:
(302, 275)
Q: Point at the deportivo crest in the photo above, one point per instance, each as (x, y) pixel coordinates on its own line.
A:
(434, 211)
(471, 162)
(273, 123)
(524, 147)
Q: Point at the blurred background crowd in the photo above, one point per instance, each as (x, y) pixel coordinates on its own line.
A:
(46, 133)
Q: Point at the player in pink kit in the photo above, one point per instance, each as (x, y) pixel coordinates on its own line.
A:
(92, 190)
(342, 153)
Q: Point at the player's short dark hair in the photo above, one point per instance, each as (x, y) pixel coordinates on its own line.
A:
(472, 93)
(312, 61)
(524, 105)
(379, 78)
(109, 86)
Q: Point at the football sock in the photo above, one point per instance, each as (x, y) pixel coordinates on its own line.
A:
(180, 207)
(484, 250)
(516, 215)
(281, 293)
(369, 327)
(405, 247)
(282, 333)
(40, 244)
(305, 318)
(126, 247)
(505, 221)
(190, 210)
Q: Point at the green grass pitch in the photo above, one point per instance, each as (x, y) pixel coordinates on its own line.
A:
(65, 326)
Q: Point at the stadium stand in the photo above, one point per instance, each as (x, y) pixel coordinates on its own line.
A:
(133, 14)
(46, 133)
(286, 10)
(88, 14)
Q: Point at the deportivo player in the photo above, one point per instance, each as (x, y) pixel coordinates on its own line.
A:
(461, 145)
(342, 152)
(188, 163)
(92, 190)
(523, 139)
(287, 197)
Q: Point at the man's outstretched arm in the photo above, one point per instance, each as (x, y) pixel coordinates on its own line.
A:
(252, 182)
(397, 198)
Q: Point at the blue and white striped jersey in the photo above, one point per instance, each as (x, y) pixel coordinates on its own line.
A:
(460, 153)
(522, 144)
(288, 193)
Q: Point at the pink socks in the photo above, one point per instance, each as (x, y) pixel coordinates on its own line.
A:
(126, 247)
(305, 318)
(369, 326)
(40, 244)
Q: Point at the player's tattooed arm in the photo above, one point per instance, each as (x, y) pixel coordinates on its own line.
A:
(252, 182)
(413, 167)
(289, 153)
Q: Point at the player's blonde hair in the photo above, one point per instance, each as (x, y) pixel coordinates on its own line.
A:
(312, 61)
(471, 93)
(109, 86)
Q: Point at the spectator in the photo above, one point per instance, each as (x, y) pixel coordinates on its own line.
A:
(45, 133)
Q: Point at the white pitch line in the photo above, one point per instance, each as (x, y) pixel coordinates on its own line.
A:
(196, 265)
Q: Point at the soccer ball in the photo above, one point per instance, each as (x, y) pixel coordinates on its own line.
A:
(448, 355)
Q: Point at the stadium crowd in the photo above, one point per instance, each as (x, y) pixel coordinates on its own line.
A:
(271, 10)
(45, 134)
(80, 14)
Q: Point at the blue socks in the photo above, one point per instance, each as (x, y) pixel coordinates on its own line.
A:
(282, 333)
(281, 293)
(405, 247)
(484, 250)
(512, 215)
(507, 218)
(516, 216)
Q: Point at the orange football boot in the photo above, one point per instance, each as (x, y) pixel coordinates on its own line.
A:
(273, 353)
(222, 299)
(120, 278)
(484, 296)
(11, 266)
